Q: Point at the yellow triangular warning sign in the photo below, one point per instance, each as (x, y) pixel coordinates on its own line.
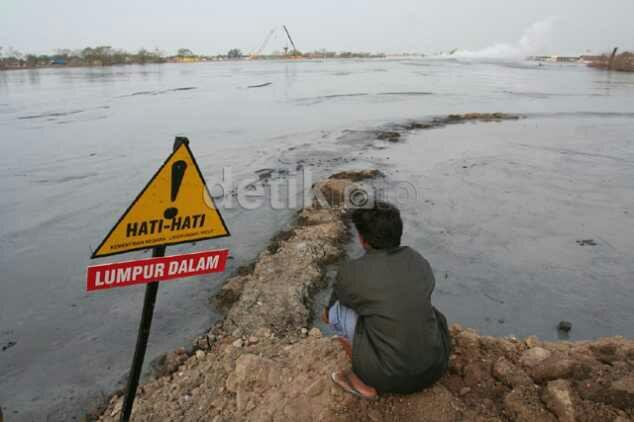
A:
(175, 207)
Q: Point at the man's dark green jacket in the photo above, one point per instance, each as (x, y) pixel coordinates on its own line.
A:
(401, 342)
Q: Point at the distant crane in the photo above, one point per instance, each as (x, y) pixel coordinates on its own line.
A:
(264, 43)
(294, 52)
(258, 51)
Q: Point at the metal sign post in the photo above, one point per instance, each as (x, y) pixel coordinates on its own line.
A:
(151, 291)
(175, 207)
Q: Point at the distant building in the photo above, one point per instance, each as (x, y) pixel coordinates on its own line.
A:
(556, 59)
(186, 59)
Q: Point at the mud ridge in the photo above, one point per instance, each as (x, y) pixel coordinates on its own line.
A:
(264, 362)
(396, 132)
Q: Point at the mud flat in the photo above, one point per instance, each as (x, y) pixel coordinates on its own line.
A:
(265, 362)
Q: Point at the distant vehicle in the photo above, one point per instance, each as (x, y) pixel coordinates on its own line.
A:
(59, 61)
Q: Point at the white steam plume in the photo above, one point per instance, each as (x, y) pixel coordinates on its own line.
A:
(535, 40)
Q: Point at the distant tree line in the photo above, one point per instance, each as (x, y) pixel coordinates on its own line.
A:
(104, 55)
(107, 56)
(90, 56)
(323, 54)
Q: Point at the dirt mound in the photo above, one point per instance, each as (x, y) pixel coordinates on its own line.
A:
(356, 176)
(397, 132)
(264, 363)
(262, 377)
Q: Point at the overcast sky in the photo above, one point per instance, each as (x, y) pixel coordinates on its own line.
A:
(210, 27)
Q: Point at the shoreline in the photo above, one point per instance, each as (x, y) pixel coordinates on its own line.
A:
(232, 60)
(264, 360)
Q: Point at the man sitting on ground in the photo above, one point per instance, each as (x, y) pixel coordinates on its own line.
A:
(381, 310)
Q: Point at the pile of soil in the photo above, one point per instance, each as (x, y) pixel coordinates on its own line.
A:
(265, 362)
(623, 62)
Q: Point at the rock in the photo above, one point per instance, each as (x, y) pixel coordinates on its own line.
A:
(9, 345)
(240, 375)
(509, 374)
(316, 388)
(467, 339)
(564, 326)
(200, 354)
(202, 343)
(496, 345)
(389, 136)
(586, 242)
(534, 356)
(230, 292)
(608, 351)
(169, 362)
(625, 385)
(465, 391)
(475, 374)
(556, 366)
(118, 406)
(315, 332)
(238, 343)
(304, 332)
(532, 341)
(558, 397)
(263, 332)
(252, 340)
(374, 415)
(524, 405)
(622, 393)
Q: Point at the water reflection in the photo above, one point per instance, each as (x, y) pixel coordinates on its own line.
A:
(34, 76)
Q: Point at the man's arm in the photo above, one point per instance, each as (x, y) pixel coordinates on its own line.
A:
(348, 291)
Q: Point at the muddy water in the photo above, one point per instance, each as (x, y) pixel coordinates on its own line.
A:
(499, 210)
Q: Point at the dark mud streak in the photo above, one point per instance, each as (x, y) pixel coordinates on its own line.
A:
(580, 114)
(65, 179)
(359, 94)
(406, 93)
(9, 345)
(579, 153)
(158, 92)
(260, 85)
(51, 114)
(545, 95)
(395, 132)
(320, 99)
(54, 114)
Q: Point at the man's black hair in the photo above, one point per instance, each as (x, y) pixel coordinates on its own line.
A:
(381, 226)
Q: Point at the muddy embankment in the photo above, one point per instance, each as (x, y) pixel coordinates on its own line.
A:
(623, 62)
(265, 362)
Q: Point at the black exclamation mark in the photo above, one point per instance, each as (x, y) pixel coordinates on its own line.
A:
(178, 172)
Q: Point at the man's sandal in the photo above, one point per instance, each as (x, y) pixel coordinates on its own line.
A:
(342, 380)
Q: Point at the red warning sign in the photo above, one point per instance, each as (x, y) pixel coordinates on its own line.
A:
(142, 271)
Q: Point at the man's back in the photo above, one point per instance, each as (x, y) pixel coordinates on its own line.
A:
(401, 342)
